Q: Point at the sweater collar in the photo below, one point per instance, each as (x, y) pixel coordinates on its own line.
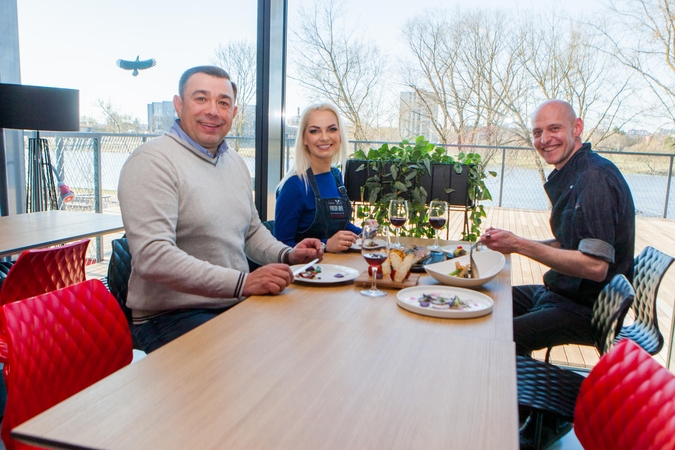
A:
(178, 131)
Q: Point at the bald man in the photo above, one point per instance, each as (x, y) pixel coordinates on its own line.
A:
(593, 224)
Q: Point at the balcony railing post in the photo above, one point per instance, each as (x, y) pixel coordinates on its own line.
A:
(98, 192)
(501, 176)
(668, 183)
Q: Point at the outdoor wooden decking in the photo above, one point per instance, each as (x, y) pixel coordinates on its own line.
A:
(659, 233)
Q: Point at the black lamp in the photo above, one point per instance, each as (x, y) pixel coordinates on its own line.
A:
(38, 108)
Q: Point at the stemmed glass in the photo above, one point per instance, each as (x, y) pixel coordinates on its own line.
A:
(375, 249)
(438, 210)
(398, 215)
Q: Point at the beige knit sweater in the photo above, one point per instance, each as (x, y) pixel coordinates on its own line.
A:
(190, 221)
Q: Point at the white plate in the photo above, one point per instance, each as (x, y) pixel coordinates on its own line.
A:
(488, 262)
(330, 273)
(479, 304)
(357, 244)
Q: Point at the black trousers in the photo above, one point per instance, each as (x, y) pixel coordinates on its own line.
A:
(543, 319)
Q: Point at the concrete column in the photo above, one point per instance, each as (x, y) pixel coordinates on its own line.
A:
(12, 165)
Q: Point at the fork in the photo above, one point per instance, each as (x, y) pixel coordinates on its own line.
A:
(473, 267)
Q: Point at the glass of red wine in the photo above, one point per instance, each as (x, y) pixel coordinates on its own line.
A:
(375, 250)
(438, 217)
(398, 215)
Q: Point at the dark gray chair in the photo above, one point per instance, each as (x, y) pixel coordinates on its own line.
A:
(650, 267)
(119, 270)
(548, 390)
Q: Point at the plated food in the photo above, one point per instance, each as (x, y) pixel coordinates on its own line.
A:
(488, 263)
(455, 251)
(325, 274)
(444, 301)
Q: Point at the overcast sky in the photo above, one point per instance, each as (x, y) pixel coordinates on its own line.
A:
(76, 43)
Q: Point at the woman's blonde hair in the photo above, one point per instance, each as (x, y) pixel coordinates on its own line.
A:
(302, 159)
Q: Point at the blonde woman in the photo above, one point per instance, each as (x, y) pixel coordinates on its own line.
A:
(311, 199)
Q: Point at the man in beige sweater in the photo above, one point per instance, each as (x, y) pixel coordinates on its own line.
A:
(190, 219)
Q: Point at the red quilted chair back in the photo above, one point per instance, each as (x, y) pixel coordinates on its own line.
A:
(58, 344)
(44, 270)
(627, 402)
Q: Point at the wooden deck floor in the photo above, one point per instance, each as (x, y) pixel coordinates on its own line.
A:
(659, 233)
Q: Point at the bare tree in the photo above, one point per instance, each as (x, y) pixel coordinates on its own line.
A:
(641, 36)
(458, 71)
(558, 59)
(238, 58)
(116, 121)
(334, 64)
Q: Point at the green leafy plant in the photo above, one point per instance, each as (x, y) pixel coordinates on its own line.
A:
(397, 172)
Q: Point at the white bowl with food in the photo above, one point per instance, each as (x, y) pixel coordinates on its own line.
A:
(489, 264)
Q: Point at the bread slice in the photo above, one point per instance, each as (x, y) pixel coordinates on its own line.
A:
(396, 258)
(386, 269)
(404, 268)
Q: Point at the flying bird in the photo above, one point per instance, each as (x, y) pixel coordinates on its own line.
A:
(136, 65)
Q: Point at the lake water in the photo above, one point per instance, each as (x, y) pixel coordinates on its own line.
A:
(522, 188)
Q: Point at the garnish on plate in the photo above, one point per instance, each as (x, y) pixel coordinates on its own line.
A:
(440, 302)
(311, 272)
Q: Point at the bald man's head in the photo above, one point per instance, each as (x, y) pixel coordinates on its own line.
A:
(556, 132)
(561, 105)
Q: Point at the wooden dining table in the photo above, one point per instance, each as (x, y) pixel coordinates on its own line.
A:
(22, 232)
(317, 366)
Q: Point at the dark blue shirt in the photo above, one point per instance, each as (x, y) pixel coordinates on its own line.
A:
(593, 212)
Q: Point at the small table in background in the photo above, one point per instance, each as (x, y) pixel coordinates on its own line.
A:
(22, 232)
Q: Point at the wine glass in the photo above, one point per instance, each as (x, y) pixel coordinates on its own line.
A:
(375, 249)
(398, 215)
(438, 210)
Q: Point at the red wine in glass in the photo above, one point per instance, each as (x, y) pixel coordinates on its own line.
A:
(374, 255)
(398, 215)
(398, 221)
(437, 219)
(374, 259)
(437, 222)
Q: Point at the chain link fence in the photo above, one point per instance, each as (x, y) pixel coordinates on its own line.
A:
(90, 164)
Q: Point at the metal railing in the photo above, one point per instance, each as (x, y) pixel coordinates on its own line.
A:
(90, 164)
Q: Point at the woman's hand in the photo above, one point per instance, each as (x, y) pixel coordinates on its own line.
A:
(341, 241)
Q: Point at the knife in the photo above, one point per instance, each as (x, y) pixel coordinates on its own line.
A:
(305, 267)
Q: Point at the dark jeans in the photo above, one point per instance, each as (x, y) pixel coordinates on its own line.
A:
(543, 319)
(165, 328)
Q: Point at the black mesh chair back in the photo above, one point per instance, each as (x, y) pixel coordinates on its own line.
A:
(119, 270)
(650, 267)
(4, 270)
(609, 311)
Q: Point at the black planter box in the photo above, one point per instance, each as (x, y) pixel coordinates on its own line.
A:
(442, 177)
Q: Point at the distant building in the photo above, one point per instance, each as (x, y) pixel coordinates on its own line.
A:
(414, 119)
(161, 116)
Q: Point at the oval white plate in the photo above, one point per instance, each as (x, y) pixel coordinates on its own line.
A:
(480, 304)
(489, 265)
(330, 273)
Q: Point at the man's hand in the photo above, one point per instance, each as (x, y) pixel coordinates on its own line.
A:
(341, 241)
(269, 279)
(501, 241)
(305, 251)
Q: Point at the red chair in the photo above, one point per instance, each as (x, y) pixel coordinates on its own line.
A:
(626, 402)
(58, 344)
(43, 270)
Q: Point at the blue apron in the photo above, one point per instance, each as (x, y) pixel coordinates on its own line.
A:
(332, 214)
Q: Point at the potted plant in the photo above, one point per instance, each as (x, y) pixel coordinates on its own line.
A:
(418, 172)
